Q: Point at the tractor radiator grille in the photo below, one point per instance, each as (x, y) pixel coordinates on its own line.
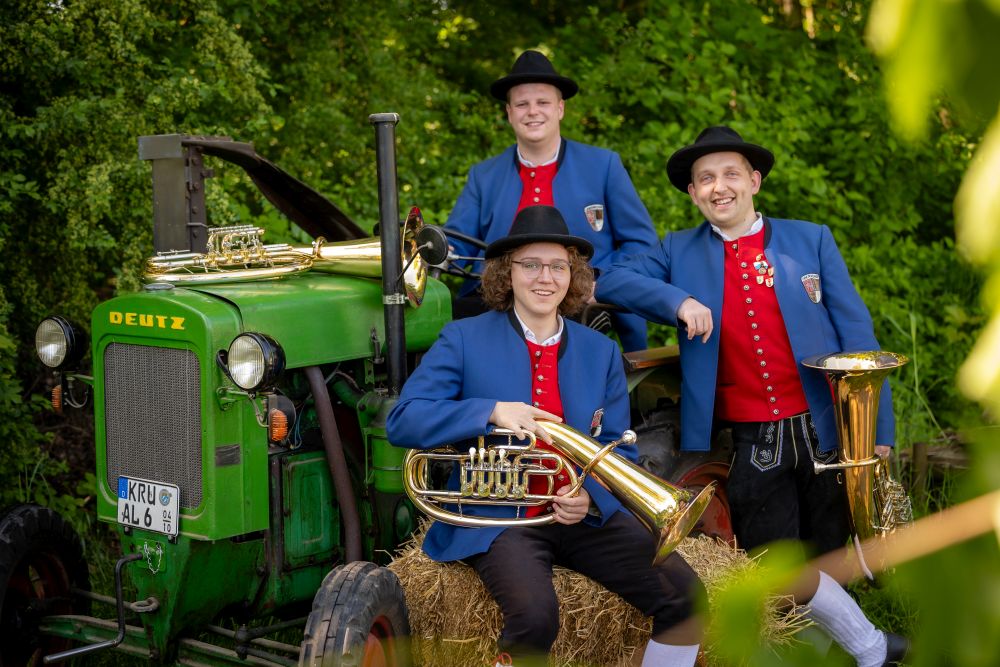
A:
(152, 414)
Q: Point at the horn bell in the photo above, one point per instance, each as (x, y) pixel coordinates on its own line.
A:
(855, 380)
(668, 511)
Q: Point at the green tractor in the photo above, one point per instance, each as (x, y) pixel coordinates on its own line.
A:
(239, 408)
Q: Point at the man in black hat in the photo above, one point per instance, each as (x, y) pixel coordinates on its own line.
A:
(515, 367)
(588, 185)
(756, 296)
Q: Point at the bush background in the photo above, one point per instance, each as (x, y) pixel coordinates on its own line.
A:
(81, 80)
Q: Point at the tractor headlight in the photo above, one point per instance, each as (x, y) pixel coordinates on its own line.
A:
(255, 361)
(59, 343)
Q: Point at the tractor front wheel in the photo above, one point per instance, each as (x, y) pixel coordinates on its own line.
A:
(358, 619)
(41, 561)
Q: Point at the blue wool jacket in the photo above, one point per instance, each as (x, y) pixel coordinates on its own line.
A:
(481, 360)
(587, 175)
(689, 263)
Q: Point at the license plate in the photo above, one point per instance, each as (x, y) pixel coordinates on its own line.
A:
(148, 505)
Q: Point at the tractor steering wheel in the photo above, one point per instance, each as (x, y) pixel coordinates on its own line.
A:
(437, 252)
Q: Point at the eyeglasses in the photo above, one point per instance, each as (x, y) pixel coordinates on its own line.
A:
(532, 268)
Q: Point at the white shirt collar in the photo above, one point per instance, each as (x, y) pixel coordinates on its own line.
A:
(757, 225)
(529, 163)
(529, 335)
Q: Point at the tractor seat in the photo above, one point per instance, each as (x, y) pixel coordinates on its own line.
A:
(654, 356)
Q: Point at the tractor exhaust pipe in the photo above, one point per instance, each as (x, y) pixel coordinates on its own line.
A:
(393, 294)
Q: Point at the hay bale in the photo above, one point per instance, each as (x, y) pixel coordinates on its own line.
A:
(719, 563)
(454, 621)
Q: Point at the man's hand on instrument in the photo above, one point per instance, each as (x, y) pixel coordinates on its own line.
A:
(520, 418)
(570, 509)
(883, 451)
(697, 317)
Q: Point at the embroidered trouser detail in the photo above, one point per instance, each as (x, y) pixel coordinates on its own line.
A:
(775, 494)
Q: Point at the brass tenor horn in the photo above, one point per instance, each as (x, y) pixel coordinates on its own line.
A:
(878, 503)
(236, 254)
(499, 475)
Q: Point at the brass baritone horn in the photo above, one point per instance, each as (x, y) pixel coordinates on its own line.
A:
(878, 503)
(236, 254)
(499, 475)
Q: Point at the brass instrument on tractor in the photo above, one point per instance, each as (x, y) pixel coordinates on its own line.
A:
(878, 503)
(237, 254)
(499, 475)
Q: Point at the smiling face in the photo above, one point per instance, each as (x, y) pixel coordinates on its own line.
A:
(534, 111)
(722, 187)
(537, 298)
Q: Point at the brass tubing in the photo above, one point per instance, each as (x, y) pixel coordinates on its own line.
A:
(666, 510)
(855, 380)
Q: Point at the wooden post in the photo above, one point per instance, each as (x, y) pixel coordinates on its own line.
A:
(919, 489)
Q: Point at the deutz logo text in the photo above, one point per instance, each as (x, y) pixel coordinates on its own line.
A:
(145, 320)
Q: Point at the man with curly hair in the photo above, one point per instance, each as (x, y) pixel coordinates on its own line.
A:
(521, 363)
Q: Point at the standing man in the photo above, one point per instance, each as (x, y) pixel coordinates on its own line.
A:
(588, 185)
(758, 295)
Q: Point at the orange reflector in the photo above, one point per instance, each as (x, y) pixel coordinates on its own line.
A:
(57, 398)
(277, 425)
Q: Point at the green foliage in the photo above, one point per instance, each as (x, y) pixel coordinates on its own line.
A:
(81, 80)
(21, 454)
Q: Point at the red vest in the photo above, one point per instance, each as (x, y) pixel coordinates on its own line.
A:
(758, 379)
(536, 185)
(544, 395)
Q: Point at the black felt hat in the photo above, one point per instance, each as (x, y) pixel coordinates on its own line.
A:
(532, 67)
(717, 139)
(539, 224)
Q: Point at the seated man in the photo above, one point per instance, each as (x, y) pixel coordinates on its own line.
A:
(511, 367)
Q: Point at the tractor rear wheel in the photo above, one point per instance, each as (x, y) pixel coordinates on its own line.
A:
(41, 560)
(358, 619)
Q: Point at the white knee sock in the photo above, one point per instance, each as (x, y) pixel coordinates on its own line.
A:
(836, 612)
(669, 655)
